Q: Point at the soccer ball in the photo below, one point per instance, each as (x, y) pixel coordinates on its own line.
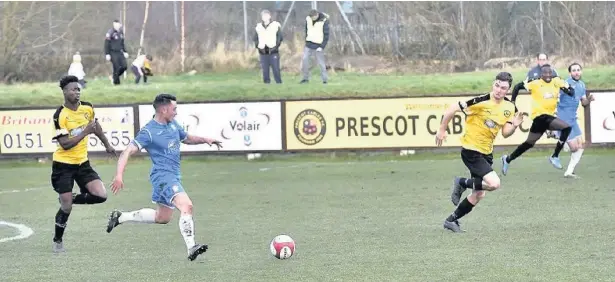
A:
(282, 246)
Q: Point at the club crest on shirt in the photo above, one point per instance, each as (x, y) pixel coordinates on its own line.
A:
(506, 113)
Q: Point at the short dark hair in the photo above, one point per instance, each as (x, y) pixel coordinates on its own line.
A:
(574, 64)
(66, 80)
(163, 99)
(546, 56)
(314, 13)
(116, 21)
(546, 66)
(505, 76)
(149, 57)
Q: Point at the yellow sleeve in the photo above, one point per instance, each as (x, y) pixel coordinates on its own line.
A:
(559, 83)
(533, 85)
(470, 107)
(92, 114)
(60, 129)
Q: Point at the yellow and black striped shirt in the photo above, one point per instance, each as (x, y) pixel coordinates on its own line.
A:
(71, 123)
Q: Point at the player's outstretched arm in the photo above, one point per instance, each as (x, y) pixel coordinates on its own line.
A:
(446, 118)
(101, 135)
(196, 140)
(118, 181)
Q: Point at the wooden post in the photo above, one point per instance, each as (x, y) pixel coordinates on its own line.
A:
(124, 24)
(183, 39)
(143, 27)
(288, 14)
(352, 31)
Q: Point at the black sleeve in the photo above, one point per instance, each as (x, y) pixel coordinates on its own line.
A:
(569, 91)
(325, 34)
(122, 42)
(255, 39)
(516, 90)
(279, 37)
(108, 38)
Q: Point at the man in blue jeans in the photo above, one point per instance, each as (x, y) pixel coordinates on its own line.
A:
(316, 38)
(267, 40)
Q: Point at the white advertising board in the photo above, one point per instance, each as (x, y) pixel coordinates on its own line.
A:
(251, 126)
(603, 117)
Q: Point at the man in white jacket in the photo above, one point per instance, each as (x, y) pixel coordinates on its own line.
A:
(267, 39)
(76, 69)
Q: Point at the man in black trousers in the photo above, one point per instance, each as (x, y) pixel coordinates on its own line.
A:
(115, 50)
(267, 40)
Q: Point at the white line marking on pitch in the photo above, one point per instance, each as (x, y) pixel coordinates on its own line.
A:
(24, 231)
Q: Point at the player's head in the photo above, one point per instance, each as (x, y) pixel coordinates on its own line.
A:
(71, 89)
(266, 16)
(575, 70)
(117, 25)
(314, 14)
(166, 106)
(501, 85)
(546, 73)
(149, 57)
(542, 59)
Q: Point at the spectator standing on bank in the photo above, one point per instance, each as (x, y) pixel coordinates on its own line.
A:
(76, 69)
(541, 60)
(115, 50)
(316, 38)
(267, 39)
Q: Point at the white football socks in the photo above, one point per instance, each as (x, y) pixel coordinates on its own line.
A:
(574, 160)
(186, 227)
(142, 215)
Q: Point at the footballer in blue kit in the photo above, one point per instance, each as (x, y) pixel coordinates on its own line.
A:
(567, 107)
(161, 138)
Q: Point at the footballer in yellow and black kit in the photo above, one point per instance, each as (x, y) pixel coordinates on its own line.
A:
(73, 122)
(545, 96)
(70, 165)
(486, 115)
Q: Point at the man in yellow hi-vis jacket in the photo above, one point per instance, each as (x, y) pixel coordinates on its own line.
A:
(316, 38)
(267, 39)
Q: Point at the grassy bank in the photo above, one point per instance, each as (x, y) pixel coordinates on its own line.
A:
(248, 86)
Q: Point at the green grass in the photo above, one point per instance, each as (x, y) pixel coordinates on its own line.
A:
(366, 220)
(248, 86)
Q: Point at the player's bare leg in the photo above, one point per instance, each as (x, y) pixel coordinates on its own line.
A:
(576, 147)
(66, 206)
(95, 193)
(531, 140)
(490, 182)
(564, 131)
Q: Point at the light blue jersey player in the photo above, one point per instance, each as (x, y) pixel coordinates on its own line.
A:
(161, 138)
(567, 110)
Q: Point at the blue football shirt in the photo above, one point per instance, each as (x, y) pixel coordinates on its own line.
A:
(568, 105)
(162, 142)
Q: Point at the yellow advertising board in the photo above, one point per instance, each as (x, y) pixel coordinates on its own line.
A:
(384, 123)
(31, 131)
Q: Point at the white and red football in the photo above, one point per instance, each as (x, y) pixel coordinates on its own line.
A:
(282, 246)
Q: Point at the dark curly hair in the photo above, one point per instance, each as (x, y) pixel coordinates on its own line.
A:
(66, 80)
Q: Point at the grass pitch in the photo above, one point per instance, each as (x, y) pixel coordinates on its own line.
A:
(361, 220)
(249, 86)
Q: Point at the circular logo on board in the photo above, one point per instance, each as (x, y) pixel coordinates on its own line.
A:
(310, 127)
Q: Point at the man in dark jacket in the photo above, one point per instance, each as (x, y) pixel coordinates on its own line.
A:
(115, 50)
(316, 38)
(267, 39)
